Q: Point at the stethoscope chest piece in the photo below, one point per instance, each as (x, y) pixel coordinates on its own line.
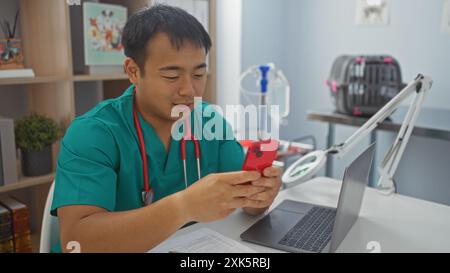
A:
(147, 197)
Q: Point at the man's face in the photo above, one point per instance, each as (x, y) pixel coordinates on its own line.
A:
(172, 77)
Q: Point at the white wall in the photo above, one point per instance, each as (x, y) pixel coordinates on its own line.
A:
(228, 44)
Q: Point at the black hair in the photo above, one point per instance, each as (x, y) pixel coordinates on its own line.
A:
(178, 24)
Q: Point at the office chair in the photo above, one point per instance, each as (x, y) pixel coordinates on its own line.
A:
(50, 225)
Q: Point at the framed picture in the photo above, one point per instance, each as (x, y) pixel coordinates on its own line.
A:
(372, 12)
(103, 28)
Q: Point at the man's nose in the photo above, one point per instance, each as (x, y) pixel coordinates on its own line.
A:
(187, 87)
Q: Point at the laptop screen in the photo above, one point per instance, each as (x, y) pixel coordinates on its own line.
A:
(350, 199)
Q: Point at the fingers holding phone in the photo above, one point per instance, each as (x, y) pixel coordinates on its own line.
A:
(215, 196)
(271, 181)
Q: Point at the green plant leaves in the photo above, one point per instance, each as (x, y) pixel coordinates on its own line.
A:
(34, 132)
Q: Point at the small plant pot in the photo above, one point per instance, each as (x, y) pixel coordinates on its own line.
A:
(37, 163)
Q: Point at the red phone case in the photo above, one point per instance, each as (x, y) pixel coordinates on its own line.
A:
(260, 155)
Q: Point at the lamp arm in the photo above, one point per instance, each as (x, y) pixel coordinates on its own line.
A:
(390, 162)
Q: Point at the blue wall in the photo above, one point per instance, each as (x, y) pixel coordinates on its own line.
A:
(304, 36)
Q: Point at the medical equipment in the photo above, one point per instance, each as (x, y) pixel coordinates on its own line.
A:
(362, 85)
(274, 90)
(148, 193)
(303, 169)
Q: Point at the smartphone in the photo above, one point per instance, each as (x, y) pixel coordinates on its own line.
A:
(260, 155)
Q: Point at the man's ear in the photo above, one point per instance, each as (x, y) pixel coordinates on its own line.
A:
(132, 70)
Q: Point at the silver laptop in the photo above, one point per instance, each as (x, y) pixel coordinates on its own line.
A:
(301, 227)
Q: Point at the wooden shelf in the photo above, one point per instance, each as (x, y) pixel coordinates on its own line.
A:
(28, 80)
(36, 240)
(53, 79)
(106, 77)
(27, 182)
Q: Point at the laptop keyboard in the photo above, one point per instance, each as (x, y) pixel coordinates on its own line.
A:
(313, 231)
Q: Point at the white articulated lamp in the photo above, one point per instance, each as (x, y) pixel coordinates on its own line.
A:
(307, 166)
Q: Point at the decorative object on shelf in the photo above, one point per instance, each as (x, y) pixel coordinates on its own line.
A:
(34, 135)
(103, 27)
(10, 47)
(8, 166)
(11, 55)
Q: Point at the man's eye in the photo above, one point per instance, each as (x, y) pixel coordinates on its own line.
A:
(171, 78)
(199, 75)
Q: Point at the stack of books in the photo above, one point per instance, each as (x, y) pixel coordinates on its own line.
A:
(6, 231)
(20, 224)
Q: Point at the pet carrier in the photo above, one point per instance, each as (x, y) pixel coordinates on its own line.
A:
(361, 85)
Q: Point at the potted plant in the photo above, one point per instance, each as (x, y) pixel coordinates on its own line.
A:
(34, 135)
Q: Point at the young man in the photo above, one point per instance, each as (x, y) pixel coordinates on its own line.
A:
(100, 171)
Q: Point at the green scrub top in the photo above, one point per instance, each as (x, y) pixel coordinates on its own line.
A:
(100, 164)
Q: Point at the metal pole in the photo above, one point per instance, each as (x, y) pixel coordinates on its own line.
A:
(330, 142)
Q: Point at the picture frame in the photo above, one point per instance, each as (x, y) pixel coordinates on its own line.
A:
(103, 26)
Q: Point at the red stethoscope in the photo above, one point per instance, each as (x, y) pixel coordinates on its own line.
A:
(148, 193)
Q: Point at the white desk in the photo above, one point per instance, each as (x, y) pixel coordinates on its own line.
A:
(398, 223)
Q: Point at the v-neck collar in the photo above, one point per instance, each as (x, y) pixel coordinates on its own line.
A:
(154, 148)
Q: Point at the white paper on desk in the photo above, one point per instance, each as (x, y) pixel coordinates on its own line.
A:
(203, 240)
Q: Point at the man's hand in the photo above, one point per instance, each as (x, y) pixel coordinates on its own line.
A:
(216, 196)
(271, 181)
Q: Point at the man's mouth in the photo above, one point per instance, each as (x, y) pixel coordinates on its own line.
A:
(188, 104)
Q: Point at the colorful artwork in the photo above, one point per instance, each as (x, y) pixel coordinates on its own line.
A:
(103, 27)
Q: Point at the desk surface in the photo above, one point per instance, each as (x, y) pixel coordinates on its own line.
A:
(434, 123)
(398, 223)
